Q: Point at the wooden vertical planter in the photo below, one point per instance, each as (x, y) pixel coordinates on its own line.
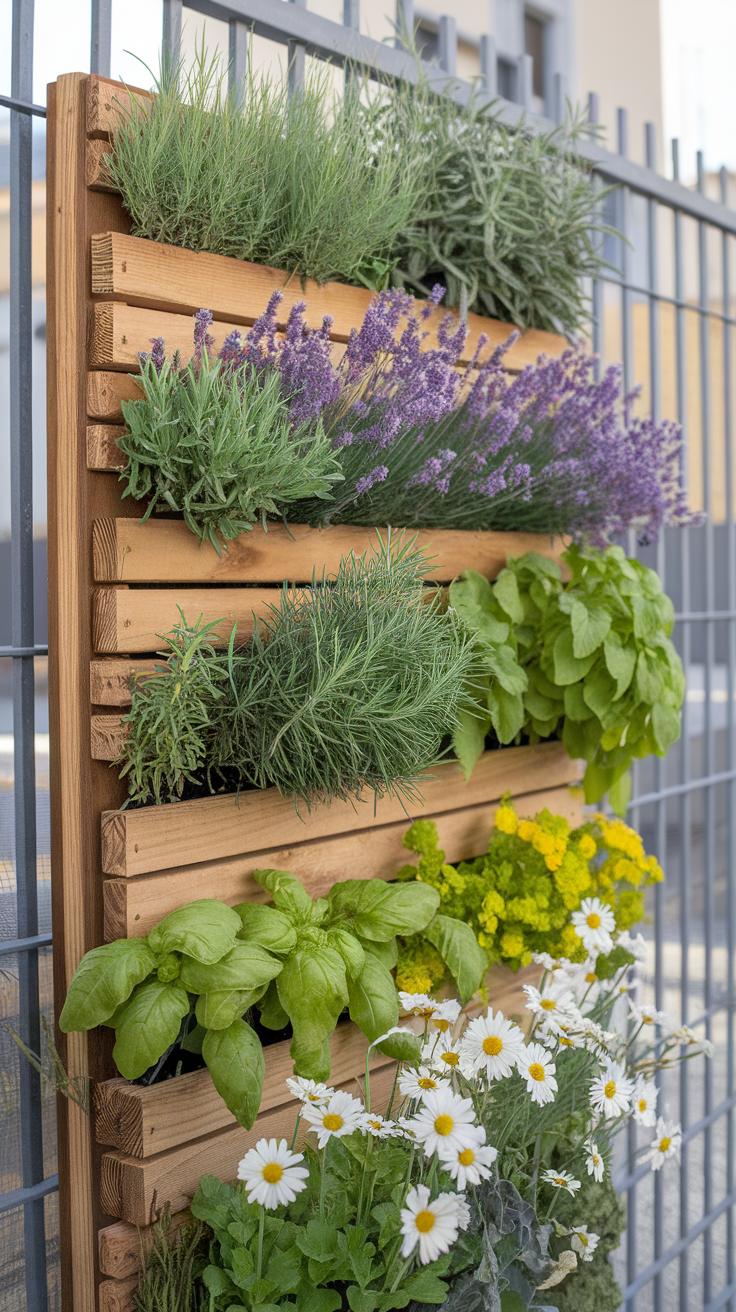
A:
(114, 584)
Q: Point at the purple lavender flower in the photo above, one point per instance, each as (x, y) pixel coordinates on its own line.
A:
(158, 353)
(376, 475)
(203, 342)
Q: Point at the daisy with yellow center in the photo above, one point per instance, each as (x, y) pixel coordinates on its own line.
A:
(644, 1102)
(536, 1067)
(583, 1243)
(417, 1084)
(594, 1163)
(445, 1123)
(470, 1165)
(666, 1144)
(272, 1174)
(432, 1224)
(490, 1045)
(441, 1053)
(308, 1090)
(562, 1180)
(594, 923)
(377, 1127)
(611, 1091)
(334, 1119)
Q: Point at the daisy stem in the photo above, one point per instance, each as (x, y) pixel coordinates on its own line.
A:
(369, 1149)
(296, 1127)
(323, 1181)
(401, 1273)
(261, 1227)
(393, 1091)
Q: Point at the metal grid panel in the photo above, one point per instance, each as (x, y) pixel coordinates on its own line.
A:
(685, 806)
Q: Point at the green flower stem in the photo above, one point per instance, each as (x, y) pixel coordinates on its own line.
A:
(323, 1180)
(261, 1228)
(296, 1128)
(401, 1273)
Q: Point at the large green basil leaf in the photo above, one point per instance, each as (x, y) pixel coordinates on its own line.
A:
(374, 1002)
(272, 1013)
(376, 910)
(288, 893)
(235, 1061)
(218, 1009)
(269, 928)
(350, 949)
(388, 952)
(568, 668)
(246, 966)
(313, 990)
(311, 1063)
(469, 736)
(148, 1025)
(105, 978)
(461, 952)
(589, 624)
(205, 930)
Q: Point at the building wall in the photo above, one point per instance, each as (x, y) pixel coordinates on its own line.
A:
(618, 54)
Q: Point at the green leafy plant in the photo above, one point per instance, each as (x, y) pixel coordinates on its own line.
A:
(172, 1267)
(220, 446)
(351, 684)
(298, 184)
(300, 962)
(595, 648)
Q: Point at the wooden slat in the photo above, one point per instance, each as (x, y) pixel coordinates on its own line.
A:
(134, 906)
(144, 1121)
(107, 100)
(119, 1245)
(119, 332)
(166, 551)
(105, 393)
(150, 838)
(103, 453)
(107, 736)
(170, 278)
(117, 1295)
(131, 620)
(97, 155)
(109, 680)
(136, 1189)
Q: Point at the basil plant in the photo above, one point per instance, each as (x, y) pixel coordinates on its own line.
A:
(299, 961)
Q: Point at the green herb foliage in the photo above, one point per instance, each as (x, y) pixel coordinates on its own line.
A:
(349, 684)
(601, 669)
(508, 219)
(593, 1287)
(297, 184)
(220, 447)
(299, 961)
(172, 1270)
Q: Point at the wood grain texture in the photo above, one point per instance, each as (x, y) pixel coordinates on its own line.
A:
(106, 392)
(103, 453)
(117, 1295)
(108, 100)
(119, 1245)
(144, 1121)
(151, 838)
(166, 551)
(109, 680)
(96, 158)
(170, 278)
(119, 332)
(134, 906)
(107, 736)
(133, 620)
(136, 1189)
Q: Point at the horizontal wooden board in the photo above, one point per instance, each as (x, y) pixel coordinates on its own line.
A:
(103, 453)
(119, 332)
(119, 1245)
(139, 841)
(107, 735)
(144, 1121)
(107, 100)
(136, 1189)
(134, 906)
(133, 620)
(97, 154)
(166, 551)
(109, 680)
(106, 392)
(117, 1295)
(169, 278)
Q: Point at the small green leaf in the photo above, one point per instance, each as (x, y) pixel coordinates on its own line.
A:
(272, 1013)
(461, 952)
(235, 1061)
(288, 893)
(469, 737)
(376, 910)
(649, 680)
(269, 928)
(149, 1024)
(619, 794)
(575, 705)
(506, 592)
(568, 668)
(589, 624)
(218, 1009)
(104, 979)
(599, 692)
(507, 713)
(471, 596)
(620, 662)
(205, 930)
(506, 669)
(665, 727)
(245, 966)
(406, 1047)
(350, 949)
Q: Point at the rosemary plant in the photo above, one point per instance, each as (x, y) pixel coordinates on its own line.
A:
(172, 1269)
(298, 185)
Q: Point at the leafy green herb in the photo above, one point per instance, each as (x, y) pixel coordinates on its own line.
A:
(172, 1268)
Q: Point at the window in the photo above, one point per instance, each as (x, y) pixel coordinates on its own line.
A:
(534, 46)
(507, 79)
(428, 44)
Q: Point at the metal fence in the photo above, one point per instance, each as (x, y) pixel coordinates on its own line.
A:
(665, 309)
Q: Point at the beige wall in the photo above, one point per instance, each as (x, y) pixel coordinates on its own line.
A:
(619, 56)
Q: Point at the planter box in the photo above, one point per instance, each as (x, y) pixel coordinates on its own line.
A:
(113, 585)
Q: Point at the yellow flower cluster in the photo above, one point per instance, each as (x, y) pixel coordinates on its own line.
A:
(520, 896)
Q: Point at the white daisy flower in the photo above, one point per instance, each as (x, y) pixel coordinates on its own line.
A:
(562, 1180)
(636, 946)
(470, 1165)
(583, 1243)
(491, 1044)
(553, 1004)
(433, 1225)
(537, 1068)
(377, 1126)
(416, 1084)
(441, 1053)
(417, 1004)
(445, 1123)
(610, 1092)
(688, 1038)
(597, 1039)
(594, 1162)
(407, 1127)
(308, 1090)
(594, 923)
(667, 1143)
(445, 1014)
(644, 1101)
(650, 1016)
(584, 983)
(549, 963)
(272, 1173)
(334, 1119)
